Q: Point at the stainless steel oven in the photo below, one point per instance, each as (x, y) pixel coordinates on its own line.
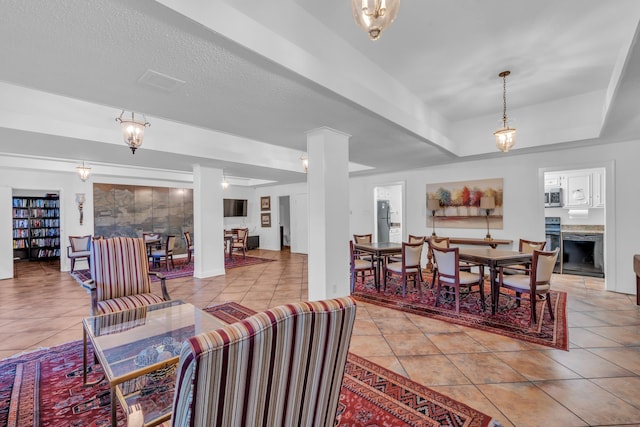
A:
(552, 234)
(553, 198)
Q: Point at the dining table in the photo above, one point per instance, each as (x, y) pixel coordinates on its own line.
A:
(494, 259)
(379, 250)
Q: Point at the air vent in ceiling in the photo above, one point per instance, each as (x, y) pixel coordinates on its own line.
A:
(160, 81)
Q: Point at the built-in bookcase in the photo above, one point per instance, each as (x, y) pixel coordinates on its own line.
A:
(36, 227)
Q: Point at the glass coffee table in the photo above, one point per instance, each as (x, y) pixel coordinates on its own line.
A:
(139, 349)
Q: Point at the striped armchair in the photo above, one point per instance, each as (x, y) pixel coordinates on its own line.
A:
(120, 276)
(281, 367)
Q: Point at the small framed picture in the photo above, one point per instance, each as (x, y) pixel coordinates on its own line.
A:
(265, 219)
(265, 203)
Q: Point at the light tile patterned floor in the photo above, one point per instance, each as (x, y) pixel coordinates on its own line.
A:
(597, 382)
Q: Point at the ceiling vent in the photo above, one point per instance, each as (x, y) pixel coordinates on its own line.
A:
(160, 81)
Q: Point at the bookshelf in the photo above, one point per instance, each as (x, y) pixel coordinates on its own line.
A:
(36, 227)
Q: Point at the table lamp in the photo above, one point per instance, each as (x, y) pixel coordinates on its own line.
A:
(433, 205)
(488, 203)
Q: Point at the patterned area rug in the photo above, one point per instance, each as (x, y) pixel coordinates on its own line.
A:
(182, 269)
(509, 320)
(45, 388)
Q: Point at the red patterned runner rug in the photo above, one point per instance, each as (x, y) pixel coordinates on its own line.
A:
(508, 321)
(45, 388)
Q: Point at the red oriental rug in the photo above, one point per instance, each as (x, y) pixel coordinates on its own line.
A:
(44, 388)
(509, 320)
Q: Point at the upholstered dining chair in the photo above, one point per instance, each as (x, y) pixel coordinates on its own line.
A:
(452, 278)
(240, 241)
(411, 239)
(363, 238)
(409, 267)
(120, 276)
(189, 243)
(280, 367)
(166, 253)
(527, 247)
(358, 265)
(440, 242)
(79, 248)
(535, 284)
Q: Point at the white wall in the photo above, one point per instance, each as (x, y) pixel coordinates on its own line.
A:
(523, 197)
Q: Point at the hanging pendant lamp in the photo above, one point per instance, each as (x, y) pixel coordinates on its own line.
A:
(506, 136)
(373, 16)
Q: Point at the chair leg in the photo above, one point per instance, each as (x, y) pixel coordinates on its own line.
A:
(73, 264)
(438, 290)
(481, 283)
(457, 295)
(548, 296)
(532, 303)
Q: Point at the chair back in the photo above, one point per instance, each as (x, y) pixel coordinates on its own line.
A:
(281, 367)
(416, 239)
(187, 238)
(171, 242)
(543, 263)
(80, 243)
(119, 267)
(448, 261)
(412, 254)
(242, 234)
(440, 242)
(528, 246)
(363, 238)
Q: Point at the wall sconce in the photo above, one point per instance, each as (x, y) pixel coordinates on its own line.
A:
(83, 171)
(305, 162)
(433, 205)
(225, 183)
(80, 199)
(488, 203)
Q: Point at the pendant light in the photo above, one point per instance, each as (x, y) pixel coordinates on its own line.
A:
(373, 16)
(506, 136)
(132, 130)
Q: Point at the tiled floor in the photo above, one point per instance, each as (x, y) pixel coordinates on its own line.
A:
(597, 382)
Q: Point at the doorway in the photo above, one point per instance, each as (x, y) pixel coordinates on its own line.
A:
(388, 219)
(284, 209)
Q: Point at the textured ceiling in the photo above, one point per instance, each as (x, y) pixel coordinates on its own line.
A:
(259, 75)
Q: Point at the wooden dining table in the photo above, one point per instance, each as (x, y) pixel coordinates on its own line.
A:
(379, 250)
(494, 259)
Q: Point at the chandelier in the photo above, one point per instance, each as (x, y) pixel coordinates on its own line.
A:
(506, 136)
(83, 171)
(132, 130)
(373, 16)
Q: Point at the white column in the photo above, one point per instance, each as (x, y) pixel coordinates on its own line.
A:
(328, 185)
(207, 222)
(6, 233)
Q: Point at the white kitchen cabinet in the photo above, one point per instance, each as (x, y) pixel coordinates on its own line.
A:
(578, 193)
(551, 180)
(598, 189)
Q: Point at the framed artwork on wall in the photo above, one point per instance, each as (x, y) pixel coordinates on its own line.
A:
(265, 203)
(265, 219)
(460, 204)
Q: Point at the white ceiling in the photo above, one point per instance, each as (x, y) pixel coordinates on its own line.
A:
(259, 75)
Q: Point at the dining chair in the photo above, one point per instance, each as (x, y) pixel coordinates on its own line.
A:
(189, 242)
(452, 277)
(363, 238)
(165, 252)
(79, 248)
(527, 247)
(152, 240)
(358, 265)
(536, 284)
(408, 267)
(441, 242)
(240, 241)
(411, 239)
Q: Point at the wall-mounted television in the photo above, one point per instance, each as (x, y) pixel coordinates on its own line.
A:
(235, 207)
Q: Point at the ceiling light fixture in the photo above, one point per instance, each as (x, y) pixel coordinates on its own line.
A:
(373, 16)
(132, 130)
(505, 137)
(83, 171)
(305, 162)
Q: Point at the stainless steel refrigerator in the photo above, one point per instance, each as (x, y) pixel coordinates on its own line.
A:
(384, 220)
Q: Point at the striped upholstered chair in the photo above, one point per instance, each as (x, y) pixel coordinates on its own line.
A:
(281, 367)
(120, 276)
